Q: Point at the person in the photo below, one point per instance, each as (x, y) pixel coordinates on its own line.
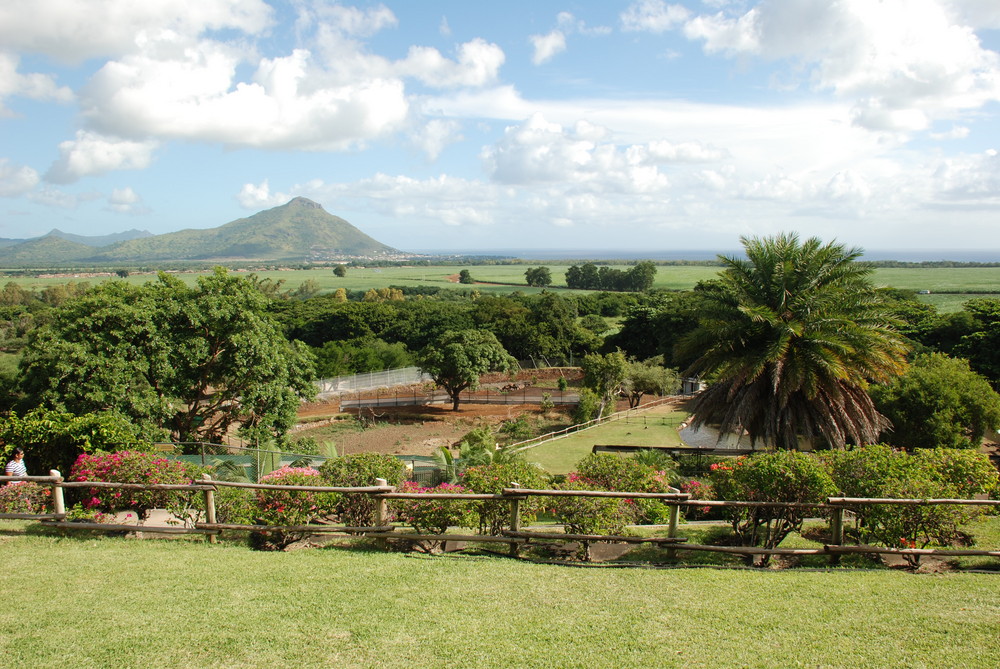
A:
(16, 465)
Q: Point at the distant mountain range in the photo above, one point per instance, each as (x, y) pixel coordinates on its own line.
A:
(300, 230)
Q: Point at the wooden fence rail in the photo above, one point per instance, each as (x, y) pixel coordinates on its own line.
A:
(514, 535)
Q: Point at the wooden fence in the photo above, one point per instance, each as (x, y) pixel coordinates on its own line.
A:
(514, 536)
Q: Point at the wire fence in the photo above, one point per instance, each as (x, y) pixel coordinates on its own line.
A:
(402, 376)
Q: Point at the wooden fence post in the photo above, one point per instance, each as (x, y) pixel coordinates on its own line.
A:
(381, 515)
(836, 532)
(675, 517)
(515, 518)
(209, 506)
(58, 501)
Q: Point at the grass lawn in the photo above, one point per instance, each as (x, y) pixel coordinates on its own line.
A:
(656, 427)
(101, 602)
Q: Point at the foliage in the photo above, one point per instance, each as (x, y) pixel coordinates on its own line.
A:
(236, 506)
(649, 376)
(791, 338)
(516, 429)
(606, 471)
(778, 476)
(638, 278)
(356, 356)
(494, 515)
(981, 345)
(289, 507)
(939, 402)
(193, 360)
(587, 408)
(24, 497)
(136, 467)
(538, 276)
(592, 515)
(458, 358)
(356, 471)
(340, 271)
(605, 375)
(941, 473)
(433, 516)
(54, 439)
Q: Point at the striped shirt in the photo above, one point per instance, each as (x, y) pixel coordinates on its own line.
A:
(16, 468)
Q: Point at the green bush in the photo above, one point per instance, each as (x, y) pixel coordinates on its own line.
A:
(290, 507)
(779, 476)
(24, 497)
(356, 471)
(941, 473)
(494, 515)
(237, 506)
(593, 515)
(604, 471)
(588, 406)
(433, 516)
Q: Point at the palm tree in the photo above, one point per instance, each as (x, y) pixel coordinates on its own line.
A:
(790, 339)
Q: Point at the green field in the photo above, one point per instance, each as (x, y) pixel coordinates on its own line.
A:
(960, 280)
(104, 602)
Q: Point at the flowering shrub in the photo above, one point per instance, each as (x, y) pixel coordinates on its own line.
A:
(433, 516)
(135, 467)
(943, 473)
(698, 490)
(779, 476)
(290, 507)
(361, 470)
(593, 515)
(604, 471)
(494, 515)
(24, 497)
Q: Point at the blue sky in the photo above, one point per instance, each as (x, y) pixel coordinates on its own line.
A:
(600, 125)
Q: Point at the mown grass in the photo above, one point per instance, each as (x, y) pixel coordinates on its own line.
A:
(98, 602)
(656, 427)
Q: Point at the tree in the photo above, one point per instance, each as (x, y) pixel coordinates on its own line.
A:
(605, 375)
(458, 358)
(981, 346)
(538, 276)
(649, 376)
(940, 401)
(340, 271)
(465, 277)
(196, 361)
(790, 339)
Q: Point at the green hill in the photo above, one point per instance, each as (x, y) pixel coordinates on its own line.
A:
(297, 231)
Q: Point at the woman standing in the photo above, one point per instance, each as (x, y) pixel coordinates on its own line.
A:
(16, 465)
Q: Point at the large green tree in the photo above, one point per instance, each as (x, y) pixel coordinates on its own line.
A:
(939, 402)
(790, 338)
(196, 361)
(458, 358)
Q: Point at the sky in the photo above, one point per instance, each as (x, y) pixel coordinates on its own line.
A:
(455, 125)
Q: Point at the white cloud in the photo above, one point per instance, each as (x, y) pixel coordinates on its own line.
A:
(970, 178)
(351, 20)
(653, 16)
(903, 62)
(182, 91)
(91, 153)
(956, 132)
(259, 196)
(16, 180)
(74, 31)
(126, 201)
(34, 86)
(478, 64)
(547, 46)
(435, 135)
(53, 197)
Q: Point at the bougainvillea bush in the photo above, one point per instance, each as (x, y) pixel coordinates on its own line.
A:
(592, 515)
(290, 507)
(433, 516)
(494, 515)
(24, 497)
(356, 471)
(605, 471)
(779, 476)
(136, 467)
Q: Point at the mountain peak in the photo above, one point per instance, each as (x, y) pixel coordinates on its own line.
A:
(304, 203)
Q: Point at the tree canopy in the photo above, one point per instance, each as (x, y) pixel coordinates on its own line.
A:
(458, 358)
(940, 401)
(790, 339)
(195, 361)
